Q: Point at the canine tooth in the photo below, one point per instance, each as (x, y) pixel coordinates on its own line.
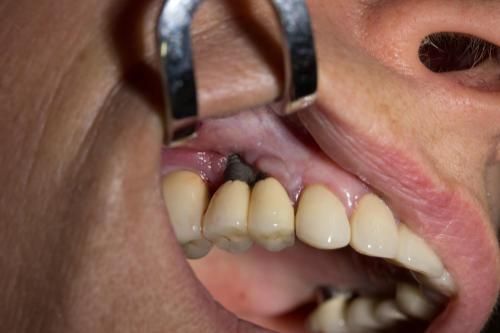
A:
(186, 197)
(373, 228)
(413, 302)
(416, 255)
(225, 221)
(271, 216)
(321, 220)
(443, 284)
(360, 315)
(329, 317)
(388, 313)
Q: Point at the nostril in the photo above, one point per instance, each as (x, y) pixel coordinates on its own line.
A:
(449, 52)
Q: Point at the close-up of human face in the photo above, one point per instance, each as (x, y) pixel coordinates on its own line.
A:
(374, 209)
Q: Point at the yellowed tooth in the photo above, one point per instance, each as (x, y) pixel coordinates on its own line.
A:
(225, 222)
(329, 317)
(416, 255)
(373, 228)
(271, 216)
(360, 315)
(321, 220)
(413, 302)
(388, 313)
(186, 198)
(443, 284)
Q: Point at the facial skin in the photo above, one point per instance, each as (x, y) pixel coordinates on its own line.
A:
(85, 241)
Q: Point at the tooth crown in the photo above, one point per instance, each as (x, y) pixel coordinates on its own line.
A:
(271, 216)
(329, 317)
(413, 302)
(374, 231)
(321, 220)
(414, 253)
(225, 221)
(186, 198)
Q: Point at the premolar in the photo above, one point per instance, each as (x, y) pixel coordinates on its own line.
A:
(271, 216)
(321, 220)
(329, 317)
(412, 301)
(360, 315)
(225, 222)
(373, 228)
(388, 313)
(186, 197)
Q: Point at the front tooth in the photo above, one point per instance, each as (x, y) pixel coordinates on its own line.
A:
(270, 216)
(373, 228)
(186, 197)
(416, 255)
(329, 317)
(361, 315)
(444, 283)
(225, 222)
(321, 220)
(388, 313)
(413, 302)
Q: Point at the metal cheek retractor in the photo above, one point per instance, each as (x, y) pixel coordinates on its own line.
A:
(174, 44)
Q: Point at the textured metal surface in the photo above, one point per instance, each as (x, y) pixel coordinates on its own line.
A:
(174, 44)
(237, 169)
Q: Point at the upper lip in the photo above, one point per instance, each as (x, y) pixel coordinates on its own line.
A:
(447, 216)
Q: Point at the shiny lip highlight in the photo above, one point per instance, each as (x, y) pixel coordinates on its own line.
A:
(448, 218)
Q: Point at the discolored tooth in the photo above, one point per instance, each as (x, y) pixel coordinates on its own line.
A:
(360, 315)
(270, 216)
(329, 317)
(321, 220)
(413, 302)
(388, 313)
(414, 254)
(225, 222)
(373, 228)
(443, 284)
(186, 198)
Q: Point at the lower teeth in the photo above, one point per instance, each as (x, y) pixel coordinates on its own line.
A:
(238, 215)
(343, 312)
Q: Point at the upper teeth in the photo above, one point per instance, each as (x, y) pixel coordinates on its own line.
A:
(270, 216)
(237, 216)
(374, 229)
(186, 198)
(321, 220)
(225, 221)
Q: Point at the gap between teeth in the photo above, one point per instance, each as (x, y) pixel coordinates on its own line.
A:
(238, 216)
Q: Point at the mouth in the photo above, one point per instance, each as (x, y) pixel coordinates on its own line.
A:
(338, 233)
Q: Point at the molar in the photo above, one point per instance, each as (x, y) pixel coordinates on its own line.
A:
(225, 221)
(186, 198)
(271, 216)
(321, 220)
